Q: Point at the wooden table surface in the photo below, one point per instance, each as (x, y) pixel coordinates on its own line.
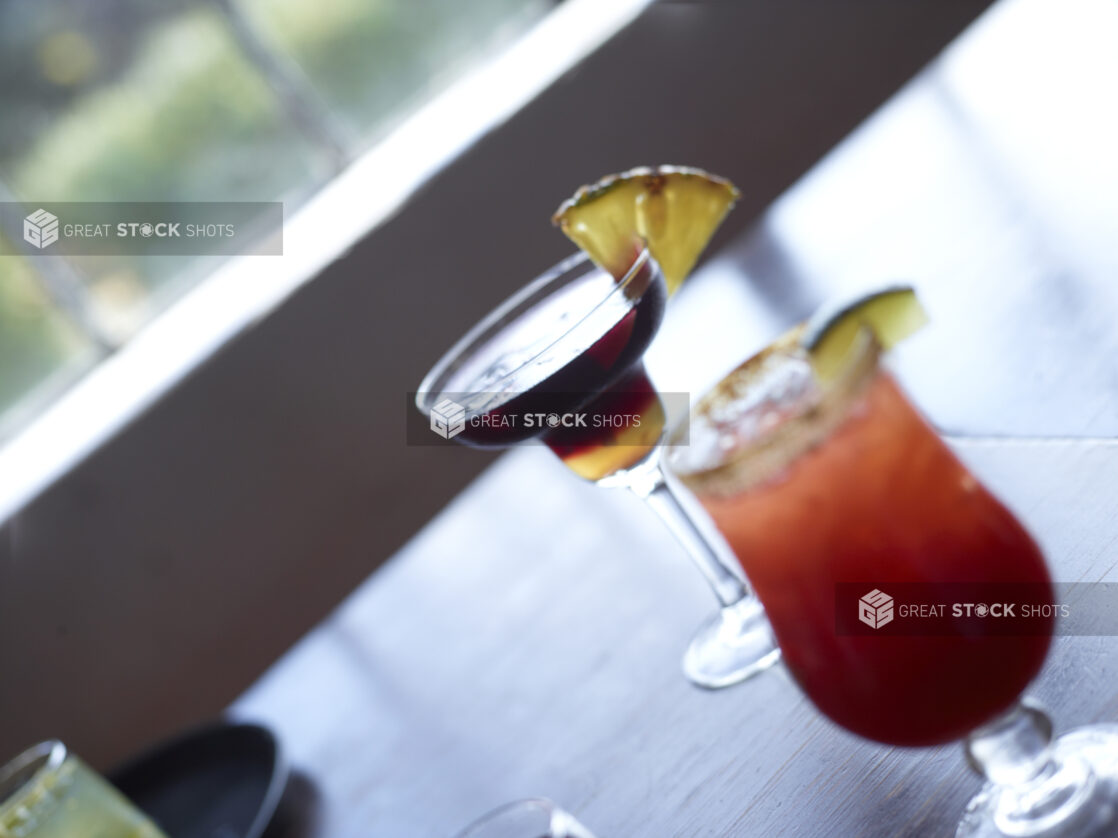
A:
(527, 641)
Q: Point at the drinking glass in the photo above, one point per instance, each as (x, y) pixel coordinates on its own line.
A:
(572, 341)
(837, 497)
(47, 792)
(533, 818)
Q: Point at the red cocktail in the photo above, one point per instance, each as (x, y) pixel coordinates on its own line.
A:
(857, 488)
(826, 485)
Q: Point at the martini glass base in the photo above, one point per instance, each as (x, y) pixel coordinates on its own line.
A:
(734, 644)
(1096, 748)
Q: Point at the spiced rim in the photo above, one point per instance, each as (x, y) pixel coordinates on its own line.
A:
(814, 418)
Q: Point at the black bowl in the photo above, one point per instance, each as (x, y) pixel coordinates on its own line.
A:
(221, 781)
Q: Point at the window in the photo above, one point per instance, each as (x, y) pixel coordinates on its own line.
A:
(193, 100)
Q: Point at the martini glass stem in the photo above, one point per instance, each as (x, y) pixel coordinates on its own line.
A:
(646, 481)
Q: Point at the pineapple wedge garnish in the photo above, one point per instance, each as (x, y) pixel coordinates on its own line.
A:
(675, 209)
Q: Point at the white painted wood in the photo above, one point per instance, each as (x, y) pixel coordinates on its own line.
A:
(527, 642)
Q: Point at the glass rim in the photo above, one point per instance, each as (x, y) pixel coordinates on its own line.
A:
(546, 807)
(811, 422)
(554, 278)
(28, 768)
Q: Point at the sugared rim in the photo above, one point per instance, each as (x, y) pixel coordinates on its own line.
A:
(814, 416)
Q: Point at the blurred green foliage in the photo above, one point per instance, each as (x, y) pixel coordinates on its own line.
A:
(34, 336)
(129, 100)
(188, 120)
(369, 59)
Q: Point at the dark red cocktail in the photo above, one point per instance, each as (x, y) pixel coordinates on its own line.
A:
(565, 365)
(560, 361)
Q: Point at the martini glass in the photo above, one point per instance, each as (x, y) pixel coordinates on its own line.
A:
(560, 361)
